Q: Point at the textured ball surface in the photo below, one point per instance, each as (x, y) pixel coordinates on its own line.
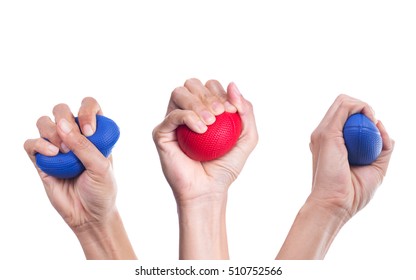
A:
(362, 139)
(67, 165)
(218, 140)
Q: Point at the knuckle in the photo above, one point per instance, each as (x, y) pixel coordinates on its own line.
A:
(343, 101)
(28, 144)
(157, 138)
(172, 116)
(81, 143)
(88, 100)
(42, 120)
(366, 105)
(191, 81)
(342, 97)
(84, 116)
(212, 82)
(60, 107)
(104, 168)
(315, 136)
(176, 93)
(156, 134)
(250, 105)
(38, 144)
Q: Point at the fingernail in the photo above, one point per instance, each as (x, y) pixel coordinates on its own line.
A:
(88, 130)
(217, 107)
(208, 117)
(201, 126)
(374, 114)
(64, 148)
(65, 126)
(380, 124)
(230, 107)
(53, 148)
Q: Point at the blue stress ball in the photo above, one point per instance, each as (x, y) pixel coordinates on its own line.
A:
(362, 139)
(67, 165)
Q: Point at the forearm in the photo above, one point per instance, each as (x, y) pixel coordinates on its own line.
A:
(312, 232)
(203, 232)
(106, 241)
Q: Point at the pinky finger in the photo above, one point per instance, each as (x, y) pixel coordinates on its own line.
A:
(40, 145)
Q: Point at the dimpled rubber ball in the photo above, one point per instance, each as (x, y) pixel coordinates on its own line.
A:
(218, 140)
(362, 139)
(67, 165)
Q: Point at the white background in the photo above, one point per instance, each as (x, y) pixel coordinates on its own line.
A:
(289, 58)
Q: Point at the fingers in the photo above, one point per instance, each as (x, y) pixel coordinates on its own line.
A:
(334, 120)
(40, 145)
(184, 99)
(86, 119)
(64, 133)
(196, 106)
(388, 143)
(245, 109)
(343, 107)
(175, 119)
(47, 130)
(207, 101)
(215, 87)
(184, 117)
(212, 98)
(88, 154)
(332, 124)
(86, 115)
(62, 111)
(382, 162)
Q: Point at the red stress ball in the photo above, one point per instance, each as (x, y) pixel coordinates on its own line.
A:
(218, 140)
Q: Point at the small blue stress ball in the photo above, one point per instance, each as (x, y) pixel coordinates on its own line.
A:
(362, 139)
(66, 166)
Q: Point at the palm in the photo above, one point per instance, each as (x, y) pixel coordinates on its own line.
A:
(78, 200)
(191, 179)
(366, 179)
(349, 187)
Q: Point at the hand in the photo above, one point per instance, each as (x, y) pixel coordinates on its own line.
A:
(196, 106)
(200, 188)
(343, 188)
(87, 202)
(339, 190)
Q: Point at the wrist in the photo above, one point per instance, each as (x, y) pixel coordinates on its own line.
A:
(202, 228)
(335, 207)
(201, 213)
(326, 214)
(313, 231)
(106, 239)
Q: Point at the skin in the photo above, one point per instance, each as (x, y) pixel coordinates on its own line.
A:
(87, 203)
(200, 188)
(339, 190)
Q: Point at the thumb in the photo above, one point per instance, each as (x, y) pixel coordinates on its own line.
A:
(245, 109)
(87, 153)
